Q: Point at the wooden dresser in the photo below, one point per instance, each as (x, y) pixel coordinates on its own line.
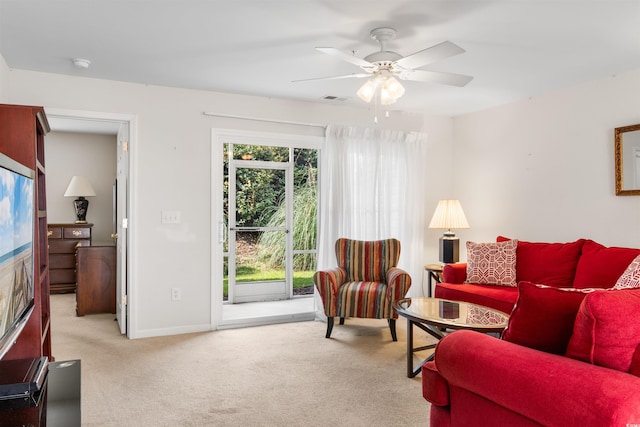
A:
(63, 241)
(96, 293)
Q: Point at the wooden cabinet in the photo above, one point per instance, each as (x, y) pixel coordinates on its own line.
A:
(22, 132)
(64, 239)
(96, 272)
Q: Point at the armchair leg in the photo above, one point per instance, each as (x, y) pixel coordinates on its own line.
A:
(342, 320)
(392, 328)
(329, 327)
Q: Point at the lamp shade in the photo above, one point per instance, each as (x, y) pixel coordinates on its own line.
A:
(448, 215)
(79, 187)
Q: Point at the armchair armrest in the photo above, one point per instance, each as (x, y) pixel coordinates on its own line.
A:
(398, 284)
(547, 388)
(454, 273)
(327, 282)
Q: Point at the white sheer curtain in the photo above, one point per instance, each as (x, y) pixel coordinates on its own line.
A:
(372, 186)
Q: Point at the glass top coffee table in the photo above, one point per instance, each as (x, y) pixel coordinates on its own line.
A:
(434, 316)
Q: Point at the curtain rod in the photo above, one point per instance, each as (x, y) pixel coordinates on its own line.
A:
(257, 119)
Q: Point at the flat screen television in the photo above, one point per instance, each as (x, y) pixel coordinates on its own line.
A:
(16, 250)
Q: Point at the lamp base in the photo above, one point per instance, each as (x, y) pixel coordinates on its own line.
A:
(81, 206)
(449, 248)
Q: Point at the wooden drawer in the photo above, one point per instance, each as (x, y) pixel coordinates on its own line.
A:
(63, 241)
(62, 261)
(76, 233)
(62, 246)
(54, 232)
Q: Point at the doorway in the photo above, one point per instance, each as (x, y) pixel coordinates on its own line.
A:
(266, 227)
(257, 245)
(123, 129)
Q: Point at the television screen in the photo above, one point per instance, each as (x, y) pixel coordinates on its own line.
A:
(16, 249)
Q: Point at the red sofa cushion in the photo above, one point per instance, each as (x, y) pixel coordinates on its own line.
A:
(543, 317)
(601, 266)
(552, 264)
(606, 330)
(497, 297)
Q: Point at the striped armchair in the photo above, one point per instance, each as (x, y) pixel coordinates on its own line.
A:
(365, 284)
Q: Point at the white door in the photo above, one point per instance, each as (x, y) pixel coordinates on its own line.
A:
(243, 228)
(121, 201)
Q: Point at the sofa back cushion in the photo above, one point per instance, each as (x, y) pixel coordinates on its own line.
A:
(543, 317)
(606, 330)
(551, 264)
(367, 261)
(600, 266)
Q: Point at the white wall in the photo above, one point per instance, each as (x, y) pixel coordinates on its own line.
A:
(171, 171)
(542, 169)
(94, 156)
(4, 80)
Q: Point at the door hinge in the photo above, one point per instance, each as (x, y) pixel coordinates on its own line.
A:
(125, 146)
(124, 300)
(125, 223)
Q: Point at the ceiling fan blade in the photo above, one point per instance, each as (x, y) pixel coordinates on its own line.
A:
(346, 56)
(430, 55)
(347, 76)
(436, 77)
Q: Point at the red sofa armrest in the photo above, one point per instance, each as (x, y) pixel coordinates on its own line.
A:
(435, 389)
(546, 388)
(454, 273)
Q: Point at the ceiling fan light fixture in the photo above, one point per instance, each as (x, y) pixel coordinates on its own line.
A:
(368, 90)
(391, 91)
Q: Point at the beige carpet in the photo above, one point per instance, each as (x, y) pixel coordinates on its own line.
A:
(277, 375)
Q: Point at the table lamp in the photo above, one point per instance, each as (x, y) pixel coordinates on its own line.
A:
(448, 215)
(80, 187)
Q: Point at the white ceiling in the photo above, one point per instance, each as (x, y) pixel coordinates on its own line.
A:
(515, 48)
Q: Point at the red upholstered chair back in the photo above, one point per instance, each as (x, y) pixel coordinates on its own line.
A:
(367, 261)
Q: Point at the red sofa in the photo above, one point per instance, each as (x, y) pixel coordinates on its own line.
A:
(579, 264)
(569, 357)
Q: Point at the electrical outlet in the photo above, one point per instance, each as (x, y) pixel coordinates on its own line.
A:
(171, 217)
(176, 294)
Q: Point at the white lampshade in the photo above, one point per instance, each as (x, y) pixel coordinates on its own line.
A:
(79, 187)
(448, 215)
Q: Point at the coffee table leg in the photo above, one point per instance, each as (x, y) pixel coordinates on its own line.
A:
(410, 373)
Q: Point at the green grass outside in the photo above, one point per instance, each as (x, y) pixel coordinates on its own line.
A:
(301, 279)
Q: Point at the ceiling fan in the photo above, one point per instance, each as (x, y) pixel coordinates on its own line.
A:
(384, 66)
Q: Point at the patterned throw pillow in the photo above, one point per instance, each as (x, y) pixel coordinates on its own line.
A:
(492, 263)
(631, 277)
